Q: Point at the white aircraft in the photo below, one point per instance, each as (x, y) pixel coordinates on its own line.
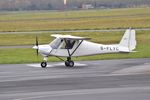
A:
(72, 46)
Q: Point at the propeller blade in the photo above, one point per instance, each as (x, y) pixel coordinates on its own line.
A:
(37, 52)
(37, 44)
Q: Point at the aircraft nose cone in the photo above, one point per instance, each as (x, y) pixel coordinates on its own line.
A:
(35, 47)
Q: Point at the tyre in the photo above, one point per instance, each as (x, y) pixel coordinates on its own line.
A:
(71, 63)
(67, 63)
(43, 64)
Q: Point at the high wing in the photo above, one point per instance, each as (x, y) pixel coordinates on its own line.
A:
(69, 37)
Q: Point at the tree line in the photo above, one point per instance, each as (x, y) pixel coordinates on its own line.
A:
(14, 5)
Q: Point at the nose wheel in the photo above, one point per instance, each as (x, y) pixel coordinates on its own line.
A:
(43, 64)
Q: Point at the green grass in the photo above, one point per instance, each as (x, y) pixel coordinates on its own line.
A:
(23, 39)
(8, 56)
(33, 15)
(29, 55)
(99, 37)
(74, 20)
(29, 39)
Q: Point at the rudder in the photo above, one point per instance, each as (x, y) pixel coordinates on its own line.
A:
(128, 41)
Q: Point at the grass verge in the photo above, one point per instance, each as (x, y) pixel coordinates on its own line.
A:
(29, 55)
(11, 56)
(75, 20)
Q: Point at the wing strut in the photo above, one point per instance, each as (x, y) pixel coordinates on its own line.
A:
(70, 54)
(60, 58)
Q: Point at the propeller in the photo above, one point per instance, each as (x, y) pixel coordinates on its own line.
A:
(36, 47)
(37, 44)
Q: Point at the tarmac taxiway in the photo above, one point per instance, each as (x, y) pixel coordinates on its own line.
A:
(126, 79)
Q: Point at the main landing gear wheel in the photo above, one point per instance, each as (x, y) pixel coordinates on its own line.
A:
(69, 63)
(43, 64)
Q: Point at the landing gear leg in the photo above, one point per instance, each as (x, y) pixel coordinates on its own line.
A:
(69, 62)
(44, 63)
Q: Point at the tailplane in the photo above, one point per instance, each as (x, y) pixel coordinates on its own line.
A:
(128, 41)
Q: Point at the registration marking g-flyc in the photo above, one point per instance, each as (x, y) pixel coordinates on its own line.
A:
(109, 48)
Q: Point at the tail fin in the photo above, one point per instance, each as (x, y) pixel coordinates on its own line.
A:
(128, 41)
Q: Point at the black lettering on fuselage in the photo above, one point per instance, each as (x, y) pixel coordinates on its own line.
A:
(108, 48)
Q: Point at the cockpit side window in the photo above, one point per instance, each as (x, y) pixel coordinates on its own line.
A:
(67, 44)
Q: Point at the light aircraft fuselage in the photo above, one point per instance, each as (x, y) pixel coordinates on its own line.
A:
(73, 46)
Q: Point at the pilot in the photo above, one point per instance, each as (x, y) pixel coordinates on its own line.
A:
(69, 44)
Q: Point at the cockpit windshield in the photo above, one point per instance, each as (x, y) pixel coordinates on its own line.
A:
(62, 43)
(56, 43)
